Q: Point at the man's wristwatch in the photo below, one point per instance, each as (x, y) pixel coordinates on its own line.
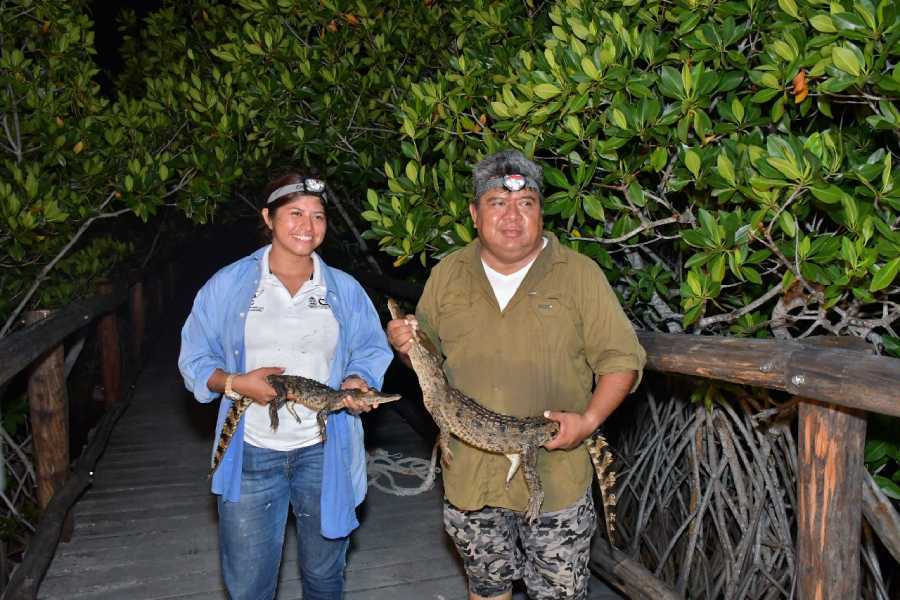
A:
(229, 391)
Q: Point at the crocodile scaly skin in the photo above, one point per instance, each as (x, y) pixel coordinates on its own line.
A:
(289, 389)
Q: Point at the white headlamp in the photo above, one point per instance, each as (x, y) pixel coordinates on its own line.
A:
(310, 185)
(512, 182)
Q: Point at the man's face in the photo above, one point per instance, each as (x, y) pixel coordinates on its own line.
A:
(509, 225)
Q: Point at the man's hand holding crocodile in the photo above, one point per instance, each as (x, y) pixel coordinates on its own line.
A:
(400, 334)
(574, 428)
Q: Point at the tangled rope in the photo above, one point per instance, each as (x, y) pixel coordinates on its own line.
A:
(382, 464)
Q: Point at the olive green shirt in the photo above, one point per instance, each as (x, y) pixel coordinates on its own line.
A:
(563, 326)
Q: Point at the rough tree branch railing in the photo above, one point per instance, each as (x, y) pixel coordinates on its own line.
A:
(38, 349)
(834, 387)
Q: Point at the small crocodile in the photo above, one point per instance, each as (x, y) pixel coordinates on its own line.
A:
(518, 438)
(310, 393)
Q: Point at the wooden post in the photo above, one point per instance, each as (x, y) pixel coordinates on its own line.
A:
(831, 441)
(110, 359)
(49, 410)
(138, 320)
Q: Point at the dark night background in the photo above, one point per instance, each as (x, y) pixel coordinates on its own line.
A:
(108, 38)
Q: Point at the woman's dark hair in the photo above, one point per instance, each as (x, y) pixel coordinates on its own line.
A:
(286, 179)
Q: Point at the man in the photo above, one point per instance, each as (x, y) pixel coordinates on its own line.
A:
(525, 325)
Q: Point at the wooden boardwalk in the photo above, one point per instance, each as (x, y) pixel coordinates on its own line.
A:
(146, 529)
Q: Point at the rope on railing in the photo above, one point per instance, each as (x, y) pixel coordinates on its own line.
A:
(383, 465)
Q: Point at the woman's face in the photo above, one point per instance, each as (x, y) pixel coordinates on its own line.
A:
(298, 226)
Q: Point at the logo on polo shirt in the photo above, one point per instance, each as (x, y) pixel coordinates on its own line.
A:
(254, 306)
(317, 302)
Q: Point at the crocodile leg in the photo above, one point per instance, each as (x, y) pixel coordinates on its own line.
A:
(292, 408)
(533, 481)
(320, 419)
(514, 460)
(276, 403)
(446, 453)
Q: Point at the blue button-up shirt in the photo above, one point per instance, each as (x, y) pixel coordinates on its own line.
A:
(213, 338)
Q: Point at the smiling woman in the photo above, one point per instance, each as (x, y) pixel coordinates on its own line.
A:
(283, 310)
(295, 217)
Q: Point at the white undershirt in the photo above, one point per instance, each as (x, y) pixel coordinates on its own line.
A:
(298, 333)
(505, 286)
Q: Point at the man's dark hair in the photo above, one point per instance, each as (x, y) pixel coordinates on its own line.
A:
(505, 162)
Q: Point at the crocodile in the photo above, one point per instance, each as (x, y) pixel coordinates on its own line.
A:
(310, 393)
(518, 438)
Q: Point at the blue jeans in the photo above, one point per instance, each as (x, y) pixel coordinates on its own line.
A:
(251, 531)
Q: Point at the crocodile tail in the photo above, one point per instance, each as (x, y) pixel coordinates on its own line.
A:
(228, 428)
(606, 477)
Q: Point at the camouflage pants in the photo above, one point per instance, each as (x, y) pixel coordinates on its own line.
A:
(551, 555)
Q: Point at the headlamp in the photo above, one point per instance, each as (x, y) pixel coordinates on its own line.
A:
(310, 185)
(512, 182)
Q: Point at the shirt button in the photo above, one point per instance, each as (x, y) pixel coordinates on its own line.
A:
(242, 315)
(236, 352)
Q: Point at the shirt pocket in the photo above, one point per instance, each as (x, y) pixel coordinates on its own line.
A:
(457, 321)
(560, 325)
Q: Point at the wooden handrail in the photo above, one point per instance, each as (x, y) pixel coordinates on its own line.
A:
(29, 347)
(20, 348)
(839, 376)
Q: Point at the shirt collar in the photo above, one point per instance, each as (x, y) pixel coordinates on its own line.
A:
(317, 280)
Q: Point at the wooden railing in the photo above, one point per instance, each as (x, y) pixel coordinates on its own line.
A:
(38, 350)
(836, 381)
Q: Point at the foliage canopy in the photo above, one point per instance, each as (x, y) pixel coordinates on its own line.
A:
(732, 165)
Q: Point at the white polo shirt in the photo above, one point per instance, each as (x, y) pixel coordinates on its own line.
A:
(298, 333)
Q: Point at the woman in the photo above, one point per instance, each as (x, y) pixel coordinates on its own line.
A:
(283, 310)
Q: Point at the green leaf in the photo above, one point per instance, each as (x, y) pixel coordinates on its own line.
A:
(845, 60)
(788, 224)
(593, 207)
(500, 110)
(737, 110)
(372, 197)
(692, 162)
(784, 50)
(829, 194)
(790, 7)
(876, 450)
(412, 171)
(822, 23)
(890, 489)
(659, 158)
(787, 167)
(618, 118)
(885, 275)
(635, 194)
(693, 282)
(463, 232)
(726, 168)
(589, 68)
(555, 177)
(545, 91)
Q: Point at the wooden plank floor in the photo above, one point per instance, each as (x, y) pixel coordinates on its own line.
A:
(146, 529)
